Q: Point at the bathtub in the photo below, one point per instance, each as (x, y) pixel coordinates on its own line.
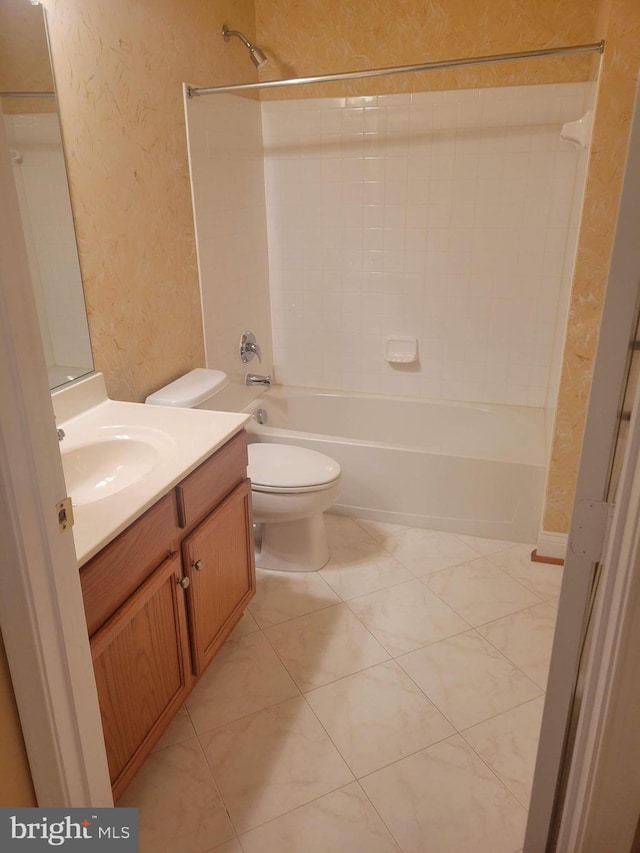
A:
(465, 468)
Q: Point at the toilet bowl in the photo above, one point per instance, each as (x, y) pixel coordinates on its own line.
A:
(291, 487)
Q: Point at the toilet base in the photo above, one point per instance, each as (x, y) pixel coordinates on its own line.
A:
(293, 546)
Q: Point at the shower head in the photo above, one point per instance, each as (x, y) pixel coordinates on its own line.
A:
(257, 56)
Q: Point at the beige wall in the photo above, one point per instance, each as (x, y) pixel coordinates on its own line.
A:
(119, 68)
(305, 38)
(16, 788)
(621, 64)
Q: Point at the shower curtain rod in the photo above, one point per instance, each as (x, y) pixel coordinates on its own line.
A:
(596, 47)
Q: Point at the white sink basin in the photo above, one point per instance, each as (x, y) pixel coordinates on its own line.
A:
(120, 458)
(102, 468)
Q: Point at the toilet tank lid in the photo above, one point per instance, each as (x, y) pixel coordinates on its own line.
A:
(191, 389)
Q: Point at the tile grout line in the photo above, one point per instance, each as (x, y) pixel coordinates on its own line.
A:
(459, 731)
(384, 823)
(543, 687)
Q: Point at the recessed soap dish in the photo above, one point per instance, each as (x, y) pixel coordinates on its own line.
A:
(401, 350)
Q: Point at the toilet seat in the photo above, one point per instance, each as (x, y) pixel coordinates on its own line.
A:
(287, 469)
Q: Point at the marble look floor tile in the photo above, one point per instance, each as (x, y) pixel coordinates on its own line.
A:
(361, 568)
(285, 595)
(427, 551)
(379, 530)
(180, 807)
(526, 639)
(407, 617)
(245, 676)
(232, 846)
(273, 761)
(444, 800)
(543, 579)
(178, 730)
(509, 745)
(341, 822)
(479, 591)
(246, 625)
(377, 716)
(487, 546)
(343, 530)
(323, 646)
(468, 679)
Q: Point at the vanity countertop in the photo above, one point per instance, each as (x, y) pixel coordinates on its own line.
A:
(172, 443)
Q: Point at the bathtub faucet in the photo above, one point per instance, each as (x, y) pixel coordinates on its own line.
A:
(256, 379)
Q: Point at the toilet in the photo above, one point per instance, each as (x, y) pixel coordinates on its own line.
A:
(291, 487)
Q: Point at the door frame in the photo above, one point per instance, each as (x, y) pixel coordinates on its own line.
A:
(41, 610)
(586, 655)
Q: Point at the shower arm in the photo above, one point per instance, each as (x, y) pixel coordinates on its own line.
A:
(227, 33)
(257, 56)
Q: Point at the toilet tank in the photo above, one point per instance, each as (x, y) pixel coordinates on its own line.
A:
(190, 390)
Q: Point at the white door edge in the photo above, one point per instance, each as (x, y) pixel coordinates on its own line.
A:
(601, 802)
(41, 611)
(557, 764)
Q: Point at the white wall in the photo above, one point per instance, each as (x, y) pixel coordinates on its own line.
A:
(445, 216)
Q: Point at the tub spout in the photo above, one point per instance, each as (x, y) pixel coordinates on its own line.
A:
(256, 379)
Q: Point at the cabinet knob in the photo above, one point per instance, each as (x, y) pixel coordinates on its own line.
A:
(184, 582)
(198, 565)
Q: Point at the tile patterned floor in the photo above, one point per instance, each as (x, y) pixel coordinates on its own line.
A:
(390, 702)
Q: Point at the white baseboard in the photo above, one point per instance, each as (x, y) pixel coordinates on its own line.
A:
(553, 545)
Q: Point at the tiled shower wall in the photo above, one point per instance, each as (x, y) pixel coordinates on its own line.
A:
(446, 216)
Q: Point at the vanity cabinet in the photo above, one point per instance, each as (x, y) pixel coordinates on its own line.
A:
(218, 559)
(214, 508)
(142, 668)
(161, 599)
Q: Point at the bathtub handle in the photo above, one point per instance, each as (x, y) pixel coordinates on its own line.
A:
(249, 347)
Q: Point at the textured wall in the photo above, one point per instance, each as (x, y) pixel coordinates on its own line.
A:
(305, 37)
(609, 145)
(119, 68)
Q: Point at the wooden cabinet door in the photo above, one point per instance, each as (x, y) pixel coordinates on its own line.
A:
(219, 560)
(142, 669)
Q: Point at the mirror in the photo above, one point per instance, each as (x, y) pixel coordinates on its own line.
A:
(29, 112)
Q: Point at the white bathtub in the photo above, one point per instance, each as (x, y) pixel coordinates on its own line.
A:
(466, 468)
